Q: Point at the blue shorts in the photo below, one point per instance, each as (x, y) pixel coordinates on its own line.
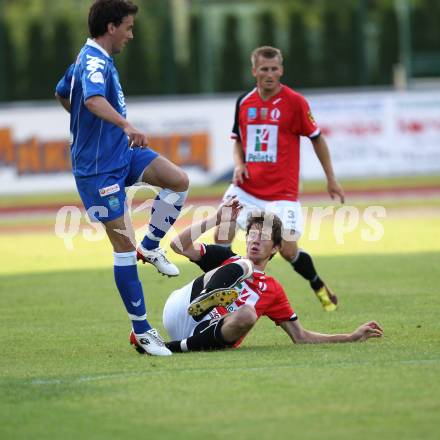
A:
(103, 195)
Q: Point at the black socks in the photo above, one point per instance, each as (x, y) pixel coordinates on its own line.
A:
(303, 264)
(226, 276)
(207, 336)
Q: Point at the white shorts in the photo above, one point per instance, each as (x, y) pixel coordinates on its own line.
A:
(176, 320)
(289, 212)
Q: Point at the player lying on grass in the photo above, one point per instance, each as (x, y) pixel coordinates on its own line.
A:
(218, 309)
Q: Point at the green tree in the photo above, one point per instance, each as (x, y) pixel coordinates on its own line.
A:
(8, 68)
(167, 75)
(230, 74)
(298, 67)
(266, 30)
(337, 50)
(37, 83)
(389, 46)
(354, 49)
(137, 76)
(63, 52)
(425, 27)
(189, 75)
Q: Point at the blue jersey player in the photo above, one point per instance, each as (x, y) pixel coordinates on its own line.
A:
(108, 154)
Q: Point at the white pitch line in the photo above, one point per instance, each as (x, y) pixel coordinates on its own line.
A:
(157, 372)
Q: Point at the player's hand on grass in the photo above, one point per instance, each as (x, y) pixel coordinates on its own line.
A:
(240, 173)
(135, 137)
(334, 189)
(228, 211)
(366, 331)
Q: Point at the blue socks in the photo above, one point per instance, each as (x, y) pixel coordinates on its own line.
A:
(166, 208)
(130, 289)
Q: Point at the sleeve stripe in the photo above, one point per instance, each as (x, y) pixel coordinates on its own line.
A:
(315, 134)
(246, 96)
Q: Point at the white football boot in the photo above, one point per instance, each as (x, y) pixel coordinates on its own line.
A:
(149, 342)
(157, 258)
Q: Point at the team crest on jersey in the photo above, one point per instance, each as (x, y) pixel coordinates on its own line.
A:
(252, 113)
(263, 113)
(114, 203)
(275, 114)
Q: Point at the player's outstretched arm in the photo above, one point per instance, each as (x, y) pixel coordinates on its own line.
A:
(323, 153)
(65, 102)
(240, 169)
(100, 107)
(300, 335)
(185, 243)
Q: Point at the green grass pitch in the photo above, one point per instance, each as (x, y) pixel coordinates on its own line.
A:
(67, 370)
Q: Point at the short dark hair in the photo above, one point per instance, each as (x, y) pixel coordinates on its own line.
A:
(265, 219)
(104, 12)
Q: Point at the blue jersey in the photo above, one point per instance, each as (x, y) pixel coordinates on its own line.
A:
(63, 86)
(98, 146)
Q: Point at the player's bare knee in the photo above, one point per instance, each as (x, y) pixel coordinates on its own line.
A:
(180, 181)
(288, 253)
(245, 318)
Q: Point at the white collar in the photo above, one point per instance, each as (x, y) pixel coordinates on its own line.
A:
(94, 44)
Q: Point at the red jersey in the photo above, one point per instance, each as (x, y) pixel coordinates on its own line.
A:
(270, 134)
(260, 291)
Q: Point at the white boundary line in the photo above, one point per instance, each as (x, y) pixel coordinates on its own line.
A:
(85, 379)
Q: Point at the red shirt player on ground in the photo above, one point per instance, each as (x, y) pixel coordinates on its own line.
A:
(219, 320)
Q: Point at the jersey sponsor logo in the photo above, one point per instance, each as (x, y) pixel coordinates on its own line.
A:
(214, 314)
(252, 113)
(246, 295)
(103, 192)
(97, 78)
(275, 114)
(93, 65)
(262, 143)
